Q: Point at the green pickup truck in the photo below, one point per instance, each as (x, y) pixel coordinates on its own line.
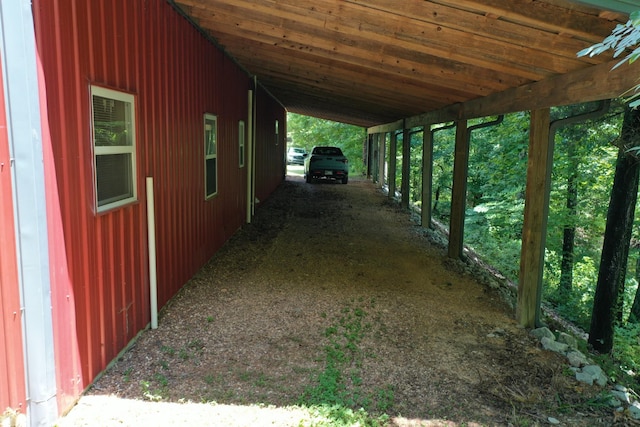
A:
(326, 163)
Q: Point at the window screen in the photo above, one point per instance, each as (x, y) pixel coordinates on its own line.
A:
(210, 155)
(113, 121)
(241, 143)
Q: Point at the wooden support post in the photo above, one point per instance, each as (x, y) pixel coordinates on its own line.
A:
(405, 189)
(375, 160)
(427, 176)
(534, 229)
(459, 191)
(369, 157)
(382, 139)
(393, 151)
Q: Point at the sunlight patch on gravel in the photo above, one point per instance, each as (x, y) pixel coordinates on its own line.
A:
(90, 411)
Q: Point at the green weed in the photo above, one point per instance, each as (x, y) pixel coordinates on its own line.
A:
(127, 375)
(337, 394)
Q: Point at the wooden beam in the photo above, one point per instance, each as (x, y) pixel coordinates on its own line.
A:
(541, 14)
(393, 153)
(369, 157)
(427, 177)
(419, 45)
(294, 35)
(389, 127)
(322, 74)
(536, 208)
(556, 39)
(375, 157)
(459, 191)
(405, 188)
(382, 141)
(589, 84)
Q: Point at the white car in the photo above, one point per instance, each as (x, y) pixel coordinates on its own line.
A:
(296, 155)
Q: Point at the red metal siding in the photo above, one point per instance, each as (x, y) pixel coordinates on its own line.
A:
(12, 378)
(69, 380)
(270, 148)
(148, 49)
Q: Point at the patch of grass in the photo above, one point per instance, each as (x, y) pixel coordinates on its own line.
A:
(339, 416)
(169, 351)
(183, 354)
(212, 379)
(337, 396)
(162, 380)
(154, 395)
(127, 375)
(385, 398)
(257, 379)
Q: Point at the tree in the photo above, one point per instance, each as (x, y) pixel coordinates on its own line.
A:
(634, 314)
(308, 132)
(569, 231)
(622, 38)
(615, 248)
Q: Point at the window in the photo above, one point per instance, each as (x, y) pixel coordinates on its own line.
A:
(241, 139)
(114, 147)
(210, 156)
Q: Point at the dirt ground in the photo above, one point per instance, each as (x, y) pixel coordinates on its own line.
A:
(248, 334)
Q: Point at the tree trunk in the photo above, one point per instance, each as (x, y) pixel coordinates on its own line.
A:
(617, 236)
(566, 266)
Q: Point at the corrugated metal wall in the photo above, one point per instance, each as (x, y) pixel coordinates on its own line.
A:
(270, 147)
(148, 49)
(12, 376)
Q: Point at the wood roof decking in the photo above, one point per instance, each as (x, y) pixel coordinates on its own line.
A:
(371, 62)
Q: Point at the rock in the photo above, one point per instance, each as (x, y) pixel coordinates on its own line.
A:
(498, 332)
(599, 375)
(634, 410)
(592, 373)
(584, 378)
(568, 340)
(553, 421)
(539, 333)
(623, 396)
(577, 359)
(553, 345)
(614, 402)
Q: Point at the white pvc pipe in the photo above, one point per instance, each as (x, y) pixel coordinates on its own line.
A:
(254, 122)
(249, 154)
(151, 236)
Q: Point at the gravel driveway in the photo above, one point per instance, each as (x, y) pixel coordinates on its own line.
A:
(250, 333)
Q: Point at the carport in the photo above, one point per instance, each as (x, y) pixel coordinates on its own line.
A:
(396, 66)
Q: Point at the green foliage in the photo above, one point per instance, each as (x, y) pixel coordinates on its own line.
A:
(493, 223)
(495, 190)
(337, 395)
(622, 38)
(307, 132)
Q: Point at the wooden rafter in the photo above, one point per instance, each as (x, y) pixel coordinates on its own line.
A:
(370, 62)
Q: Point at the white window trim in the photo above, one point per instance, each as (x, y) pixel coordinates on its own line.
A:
(242, 154)
(209, 117)
(122, 149)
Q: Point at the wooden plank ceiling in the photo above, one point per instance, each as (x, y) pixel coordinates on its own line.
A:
(370, 62)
